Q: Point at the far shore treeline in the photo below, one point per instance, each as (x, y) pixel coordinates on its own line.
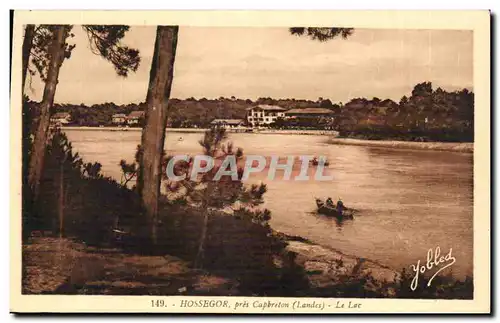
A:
(426, 114)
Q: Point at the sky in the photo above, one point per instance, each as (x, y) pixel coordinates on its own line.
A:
(253, 62)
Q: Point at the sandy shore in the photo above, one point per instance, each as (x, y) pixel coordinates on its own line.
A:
(464, 147)
(314, 257)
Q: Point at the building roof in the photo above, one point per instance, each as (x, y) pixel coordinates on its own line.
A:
(267, 107)
(310, 111)
(227, 121)
(119, 115)
(136, 114)
(61, 115)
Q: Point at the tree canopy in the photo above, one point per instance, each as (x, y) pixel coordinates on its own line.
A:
(322, 33)
(104, 40)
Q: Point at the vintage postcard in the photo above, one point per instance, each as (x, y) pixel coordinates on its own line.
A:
(321, 162)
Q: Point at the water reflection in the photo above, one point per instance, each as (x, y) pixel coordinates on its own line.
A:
(339, 222)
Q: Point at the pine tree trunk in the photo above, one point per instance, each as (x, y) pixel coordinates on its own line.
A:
(29, 34)
(198, 263)
(61, 199)
(200, 255)
(56, 54)
(153, 133)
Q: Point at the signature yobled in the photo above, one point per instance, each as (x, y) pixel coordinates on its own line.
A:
(434, 261)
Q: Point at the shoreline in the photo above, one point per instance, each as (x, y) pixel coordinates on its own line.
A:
(317, 255)
(461, 147)
(202, 130)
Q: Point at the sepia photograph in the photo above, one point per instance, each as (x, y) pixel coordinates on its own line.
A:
(283, 167)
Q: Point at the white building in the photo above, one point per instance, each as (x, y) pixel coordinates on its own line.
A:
(228, 123)
(264, 115)
(118, 118)
(135, 117)
(60, 118)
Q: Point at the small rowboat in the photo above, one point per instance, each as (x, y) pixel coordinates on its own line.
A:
(315, 162)
(332, 211)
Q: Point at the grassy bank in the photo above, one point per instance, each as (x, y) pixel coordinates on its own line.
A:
(63, 266)
(463, 147)
(302, 269)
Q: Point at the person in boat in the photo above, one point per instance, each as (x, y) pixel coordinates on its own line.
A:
(315, 162)
(340, 206)
(329, 202)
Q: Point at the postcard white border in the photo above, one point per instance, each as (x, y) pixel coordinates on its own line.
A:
(478, 21)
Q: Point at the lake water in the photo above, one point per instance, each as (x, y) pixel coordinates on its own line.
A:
(408, 200)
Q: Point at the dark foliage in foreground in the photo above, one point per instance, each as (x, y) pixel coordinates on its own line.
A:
(88, 204)
(443, 287)
(365, 286)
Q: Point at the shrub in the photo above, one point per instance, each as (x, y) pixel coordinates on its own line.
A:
(77, 198)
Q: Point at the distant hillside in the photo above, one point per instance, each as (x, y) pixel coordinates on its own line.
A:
(182, 113)
(425, 114)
